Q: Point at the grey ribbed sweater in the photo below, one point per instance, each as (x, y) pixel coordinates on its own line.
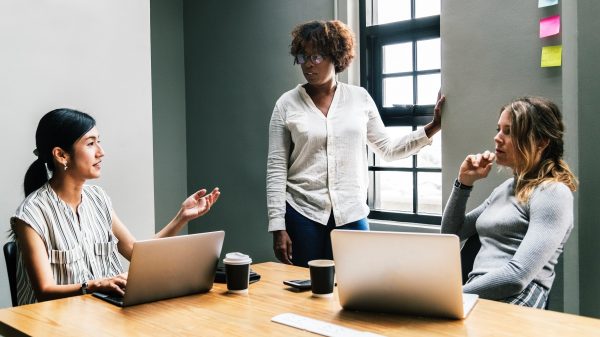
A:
(519, 243)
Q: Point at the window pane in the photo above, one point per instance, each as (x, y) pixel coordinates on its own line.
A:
(391, 11)
(430, 192)
(397, 58)
(426, 8)
(395, 191)
(428, 87)
(428, 54)
(431, 156)
(396, 131)
(398, 90)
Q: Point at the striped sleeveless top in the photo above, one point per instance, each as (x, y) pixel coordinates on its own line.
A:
(78, 250)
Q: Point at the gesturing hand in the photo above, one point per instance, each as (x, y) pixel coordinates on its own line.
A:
(475, 167)
(198, 204)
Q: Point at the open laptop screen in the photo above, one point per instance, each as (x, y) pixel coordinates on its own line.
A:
(398, 272)
(171, 267)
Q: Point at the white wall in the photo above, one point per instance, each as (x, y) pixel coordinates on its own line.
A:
(347, 12)
(89, 55)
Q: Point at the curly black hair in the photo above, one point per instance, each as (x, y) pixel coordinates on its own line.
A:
(331, 38)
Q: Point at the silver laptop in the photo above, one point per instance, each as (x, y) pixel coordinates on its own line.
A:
(395, 272)
(170, 267)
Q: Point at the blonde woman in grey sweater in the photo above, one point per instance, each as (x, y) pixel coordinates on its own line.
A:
(524, 224)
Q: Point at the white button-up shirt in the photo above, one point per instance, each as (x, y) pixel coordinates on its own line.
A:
(319, 164)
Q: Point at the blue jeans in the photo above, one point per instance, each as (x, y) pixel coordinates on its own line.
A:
(310, 239)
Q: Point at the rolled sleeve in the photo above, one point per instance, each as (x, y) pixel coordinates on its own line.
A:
(277, 171)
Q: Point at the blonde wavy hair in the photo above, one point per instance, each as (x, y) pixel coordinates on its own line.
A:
(536, 121)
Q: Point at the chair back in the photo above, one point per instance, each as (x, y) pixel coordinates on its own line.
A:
(467, 256)
(10, 255)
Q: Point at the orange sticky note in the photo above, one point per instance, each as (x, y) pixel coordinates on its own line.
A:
(552, 56)
(549, 26)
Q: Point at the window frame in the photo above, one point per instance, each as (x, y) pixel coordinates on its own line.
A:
(372, 40)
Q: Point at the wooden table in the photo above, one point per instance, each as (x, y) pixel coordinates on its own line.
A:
(218, 313)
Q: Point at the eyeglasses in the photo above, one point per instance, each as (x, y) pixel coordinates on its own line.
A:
(315, 59)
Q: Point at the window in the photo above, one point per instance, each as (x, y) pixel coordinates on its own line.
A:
(400, 67)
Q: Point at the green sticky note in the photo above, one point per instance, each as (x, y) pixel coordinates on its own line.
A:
(552, 56)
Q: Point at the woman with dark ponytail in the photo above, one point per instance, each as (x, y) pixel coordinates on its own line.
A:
(526, 221)
(68, 235)
(58, 128)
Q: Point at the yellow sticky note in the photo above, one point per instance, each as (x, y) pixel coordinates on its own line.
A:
(551, 56)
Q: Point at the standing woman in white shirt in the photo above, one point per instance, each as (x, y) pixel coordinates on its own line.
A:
(67, 233)
(317, 163)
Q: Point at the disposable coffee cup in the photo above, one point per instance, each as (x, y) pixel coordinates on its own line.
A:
(237, 272)
(322, 274)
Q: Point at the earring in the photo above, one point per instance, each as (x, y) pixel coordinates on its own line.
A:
(65, 166)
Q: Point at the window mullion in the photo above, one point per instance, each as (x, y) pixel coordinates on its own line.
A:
(415, 195)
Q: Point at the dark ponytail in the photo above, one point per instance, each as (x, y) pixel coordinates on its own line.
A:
(58, 128)
(35, 177)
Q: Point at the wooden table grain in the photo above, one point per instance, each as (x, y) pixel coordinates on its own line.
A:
(218, 313)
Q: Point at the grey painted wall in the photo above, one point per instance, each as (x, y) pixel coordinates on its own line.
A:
(570, 111)
(588, 85)
(237, 64)
(168, 109)
(490, 55)
(89, 55)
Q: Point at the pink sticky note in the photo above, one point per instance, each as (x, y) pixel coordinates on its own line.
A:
(549, 26)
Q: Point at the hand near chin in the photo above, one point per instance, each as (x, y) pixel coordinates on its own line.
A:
(475, 167)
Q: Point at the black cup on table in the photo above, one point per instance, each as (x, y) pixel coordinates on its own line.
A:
(237, 272)
(322, 274)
